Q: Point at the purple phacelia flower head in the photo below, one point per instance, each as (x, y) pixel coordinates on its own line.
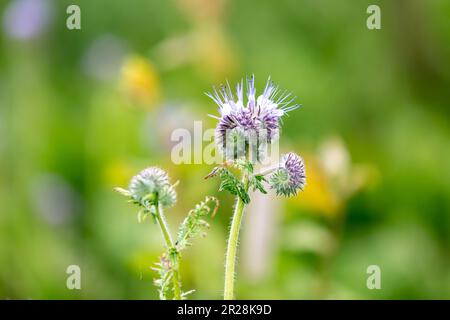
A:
(290, 176)
(255, 123)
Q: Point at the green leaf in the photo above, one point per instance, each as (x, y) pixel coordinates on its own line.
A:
(232, 184)
(256, 183)
(122, 191)
(185, 294)
(142, 215)
(245, 166)
(164, 269)
(194, 224)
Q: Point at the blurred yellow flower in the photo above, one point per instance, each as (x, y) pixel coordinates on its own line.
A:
(318, 195)
(140, 81)
(332, 178)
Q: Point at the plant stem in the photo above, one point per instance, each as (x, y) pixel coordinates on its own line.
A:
(233, 239)
(163, 225)
(176, 284)
(169, 243)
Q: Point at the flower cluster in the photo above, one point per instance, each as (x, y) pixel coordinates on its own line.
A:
(153, 183)
(151, 186)
(290, 176)
(243, 129)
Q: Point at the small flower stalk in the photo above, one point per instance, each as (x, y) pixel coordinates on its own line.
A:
(152, 192)
(243, 134)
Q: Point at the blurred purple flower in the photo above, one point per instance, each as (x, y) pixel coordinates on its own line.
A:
(27, 19)
(54, 199)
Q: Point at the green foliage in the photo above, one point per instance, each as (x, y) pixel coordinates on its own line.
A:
(229, 182)
(194, 224)
(232, 184)
(256, 183)
(165, 272)
(168, 280)
(245, 166)
(147, 205)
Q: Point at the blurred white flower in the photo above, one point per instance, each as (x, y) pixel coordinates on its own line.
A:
(334, 157)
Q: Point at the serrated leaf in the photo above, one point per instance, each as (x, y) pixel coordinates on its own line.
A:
(194, 224)
(232, 184)
(165, 274)
(256, 183)
(244, 165)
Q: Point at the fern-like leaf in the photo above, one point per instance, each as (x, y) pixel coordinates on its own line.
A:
(256, 183)
(194, 224)
(165, 274)
(232, 184)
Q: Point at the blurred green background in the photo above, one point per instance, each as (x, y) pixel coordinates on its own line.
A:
(82, 111)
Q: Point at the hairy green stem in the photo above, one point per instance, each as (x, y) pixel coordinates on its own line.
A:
(170, 245)
(233, 239)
